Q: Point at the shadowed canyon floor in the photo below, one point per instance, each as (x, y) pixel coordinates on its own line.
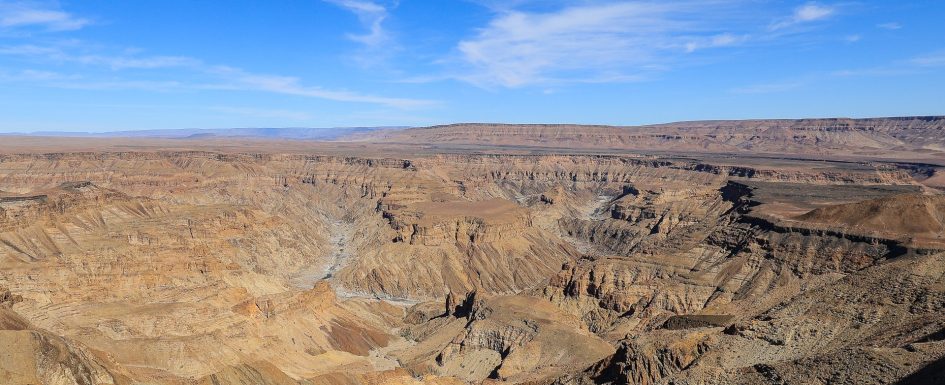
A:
(757, 252)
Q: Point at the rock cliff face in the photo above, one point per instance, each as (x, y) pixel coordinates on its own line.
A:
(479, 264)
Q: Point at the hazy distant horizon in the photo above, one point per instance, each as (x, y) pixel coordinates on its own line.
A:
(331, 132)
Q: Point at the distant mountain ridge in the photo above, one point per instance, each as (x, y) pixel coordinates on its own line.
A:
(906, 136)
(913, 138)
(312, 133)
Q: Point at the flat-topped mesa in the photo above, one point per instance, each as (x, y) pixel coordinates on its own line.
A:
(905, 214)
(902, 136)
(462, 222)
(918, 218)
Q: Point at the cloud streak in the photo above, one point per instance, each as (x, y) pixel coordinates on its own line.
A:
(25, 15)
(371, 15)
(613, 41)
(807, 13)
(891, 26)
(936, 59)
(199, 75)
(592, 41)
(61, 54)
(217, 77)
(293, 86)
(911, 66)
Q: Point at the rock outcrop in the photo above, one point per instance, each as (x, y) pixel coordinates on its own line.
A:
(505, 338)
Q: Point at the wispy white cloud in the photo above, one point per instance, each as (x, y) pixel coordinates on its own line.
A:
(376, 46)
(23, 14)
(293, 86)
(31, 75)
(198, 74)
(151, 62)
(931, 61)
(589, 41)
(892, 26)
(78, 82)
(806, 13)
(875, 71)
(917, 65)
(371, 15)
(215, 77)
(117, 62)
(812, 12)
(935, 59)
(623, 41)
(720, 40)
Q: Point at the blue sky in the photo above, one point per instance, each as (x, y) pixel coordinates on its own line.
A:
(101, 65)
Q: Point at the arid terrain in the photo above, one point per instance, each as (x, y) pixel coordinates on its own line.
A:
(723, 252)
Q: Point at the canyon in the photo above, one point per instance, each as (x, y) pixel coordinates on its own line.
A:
(752, 252)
